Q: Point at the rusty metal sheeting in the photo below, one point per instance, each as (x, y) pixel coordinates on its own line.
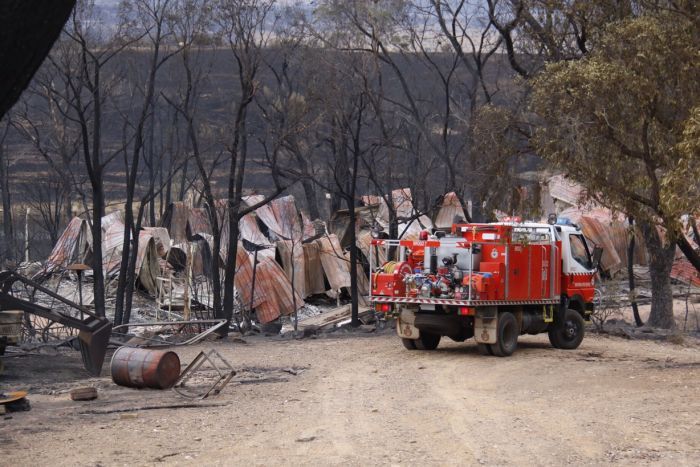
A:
(683, 271)
(450, 208)
(309, 227)
(112, 243)
(371, 200)
(619, 233)
(566, 190)
(292, 256)
(403, 204)
(73, 246)
(198, 222)
(111, 218)
(175, 220)
(314, 281)
(147, 267)
(162, 239)
(145, 368)
(335, 266)
(364, 243)
(276, 291)
(280, 216)
(243, 279)
(248, 226)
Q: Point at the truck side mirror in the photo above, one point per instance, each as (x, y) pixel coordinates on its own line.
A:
(597, 255)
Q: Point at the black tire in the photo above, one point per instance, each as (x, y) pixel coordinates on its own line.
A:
(410, 344)
(484, 349)
(506, 335)
(568, 334)
(427, 341)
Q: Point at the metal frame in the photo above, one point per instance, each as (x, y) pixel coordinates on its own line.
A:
(225, 375)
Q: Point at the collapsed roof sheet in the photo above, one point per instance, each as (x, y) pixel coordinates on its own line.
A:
(450, 208)
(250, 231)
(183, 222)
(314, 281)
(277, 292)
(683, 271)
(72, 247)
(162, 239)
(566, 190)
(403, 205)
(280, 216)
(294, 264)
(243, 279)
(147, 266)
(334, 264)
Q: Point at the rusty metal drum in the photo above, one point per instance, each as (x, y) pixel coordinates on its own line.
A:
(144, 368)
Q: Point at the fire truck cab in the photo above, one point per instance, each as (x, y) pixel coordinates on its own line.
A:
(492, 282)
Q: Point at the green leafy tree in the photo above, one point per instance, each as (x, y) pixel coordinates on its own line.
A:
(623, 120)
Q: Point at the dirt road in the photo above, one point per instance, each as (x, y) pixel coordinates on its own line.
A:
(363, 399)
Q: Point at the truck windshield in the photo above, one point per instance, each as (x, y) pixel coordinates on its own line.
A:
(579, 251)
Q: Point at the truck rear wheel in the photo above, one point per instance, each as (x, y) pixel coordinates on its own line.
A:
(427, 341)
(569, 334)
(506, 335)
(410, 344)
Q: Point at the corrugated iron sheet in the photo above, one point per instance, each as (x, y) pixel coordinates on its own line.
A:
(292, 256)
(243, 279)
(250, 231)
(162, 239)
(277, 291)
(565, 189)
(111, 218)
(336, 269)
(197, 222)
(147, 267)
(72, 247)
(175, 219)
(314, 281)
(280, 216)
(683, 271)
(450, 208)
(112, 242)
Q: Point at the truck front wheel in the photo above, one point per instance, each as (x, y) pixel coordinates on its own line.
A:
(569, 334)
(427, 341)
(507, 335)
(410, 344)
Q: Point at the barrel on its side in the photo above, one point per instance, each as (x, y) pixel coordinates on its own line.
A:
(144, 368)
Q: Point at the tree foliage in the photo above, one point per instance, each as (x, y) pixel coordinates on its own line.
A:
(622, 120)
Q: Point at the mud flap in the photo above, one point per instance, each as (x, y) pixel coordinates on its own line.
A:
(486, 325)
(405, 325)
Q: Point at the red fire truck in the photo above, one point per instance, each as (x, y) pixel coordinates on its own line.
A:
(492, 282)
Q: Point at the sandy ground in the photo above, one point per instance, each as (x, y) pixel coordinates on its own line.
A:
(363, 399)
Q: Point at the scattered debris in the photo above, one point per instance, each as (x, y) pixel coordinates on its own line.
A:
(83, 394)
(209, 326)
(305, 439)
(191, 372)
(126, 411)
(15, 401)
(144, 368)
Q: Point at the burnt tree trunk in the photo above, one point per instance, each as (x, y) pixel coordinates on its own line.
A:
(7, 230)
